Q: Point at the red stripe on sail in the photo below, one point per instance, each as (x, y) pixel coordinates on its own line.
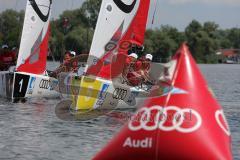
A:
(39, 66)
(136, 31)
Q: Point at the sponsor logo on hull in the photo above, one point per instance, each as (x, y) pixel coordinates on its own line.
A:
(120, 94)
(48, 84)
(44, 84)
(31, 85)
(102, 96)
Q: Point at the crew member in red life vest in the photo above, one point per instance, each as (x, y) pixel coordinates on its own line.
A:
(7, 58)
(132, 66)
(130, 60)
(146, 66)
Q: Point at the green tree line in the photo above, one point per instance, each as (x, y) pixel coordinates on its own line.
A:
(74, 29)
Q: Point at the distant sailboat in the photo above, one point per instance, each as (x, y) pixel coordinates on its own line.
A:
(30, 79)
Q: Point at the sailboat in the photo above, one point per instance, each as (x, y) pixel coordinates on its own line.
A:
(29, 78)
(120, 26)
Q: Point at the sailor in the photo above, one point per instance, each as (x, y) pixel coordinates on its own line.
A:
(131, 68)
(7, 58)
(74, 62)
(67, 58)
(130, 60)
(146, 66)
(64, 67)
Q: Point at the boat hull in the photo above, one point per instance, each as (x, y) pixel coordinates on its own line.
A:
(20, 85)
(89, 93)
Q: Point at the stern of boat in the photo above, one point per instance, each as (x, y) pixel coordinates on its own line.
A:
(6, 84)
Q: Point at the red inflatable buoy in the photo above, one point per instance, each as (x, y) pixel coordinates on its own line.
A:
(186, 123)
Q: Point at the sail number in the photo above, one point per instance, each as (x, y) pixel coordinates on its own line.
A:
(20, 85)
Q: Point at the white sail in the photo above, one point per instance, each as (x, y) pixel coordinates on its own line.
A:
(114, 20)
(34, 41)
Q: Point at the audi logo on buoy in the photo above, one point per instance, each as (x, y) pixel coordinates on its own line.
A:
(44, 84)
(119, 94)
(154, 114)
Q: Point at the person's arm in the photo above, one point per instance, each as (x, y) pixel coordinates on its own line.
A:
(147, 78)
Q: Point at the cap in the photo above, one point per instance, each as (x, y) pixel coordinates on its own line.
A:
(4, 46)
(149, 56)
(134, 55)
(73, 53)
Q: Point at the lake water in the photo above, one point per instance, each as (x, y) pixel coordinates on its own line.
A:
(32, 130)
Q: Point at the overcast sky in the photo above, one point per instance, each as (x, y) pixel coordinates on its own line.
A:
(178, 13)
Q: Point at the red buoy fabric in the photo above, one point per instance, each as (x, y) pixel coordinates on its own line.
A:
(185, 123)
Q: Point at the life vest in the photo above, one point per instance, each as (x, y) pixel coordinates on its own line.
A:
(8, 58)
(146, 66)
(137, 66)
(132, 72)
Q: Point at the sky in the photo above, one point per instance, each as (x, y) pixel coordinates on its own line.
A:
(177, 13)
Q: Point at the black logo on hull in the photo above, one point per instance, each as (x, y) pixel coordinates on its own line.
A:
(119, 94)
(124, 7)
(43, 17)
(44, 84)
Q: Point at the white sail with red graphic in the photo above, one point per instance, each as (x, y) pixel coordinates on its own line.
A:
(120, 23)
(33, 49)
(186, 123)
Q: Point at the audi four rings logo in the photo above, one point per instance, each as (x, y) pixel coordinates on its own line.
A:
(146, 115)
(44, 84)
(218, 115)
(120, 94)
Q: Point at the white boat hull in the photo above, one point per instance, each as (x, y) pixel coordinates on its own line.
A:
(19, 85)
(94, 93)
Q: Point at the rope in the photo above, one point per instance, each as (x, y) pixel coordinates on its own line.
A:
(154, 13)
(16, 4)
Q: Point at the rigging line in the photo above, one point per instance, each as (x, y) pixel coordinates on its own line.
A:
(16, 4)
(72, 5)
(52, 54)
(154, 13)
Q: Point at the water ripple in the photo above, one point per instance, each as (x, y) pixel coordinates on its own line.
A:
(33, 131)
